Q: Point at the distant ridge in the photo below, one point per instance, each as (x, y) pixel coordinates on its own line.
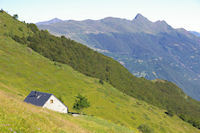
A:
(105, 25)
(52, 21)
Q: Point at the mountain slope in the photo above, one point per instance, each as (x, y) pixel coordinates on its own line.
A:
(195, 33)
(23, 70)
(160, 93)
(147, 49)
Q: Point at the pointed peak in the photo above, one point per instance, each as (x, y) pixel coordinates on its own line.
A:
(139, 16)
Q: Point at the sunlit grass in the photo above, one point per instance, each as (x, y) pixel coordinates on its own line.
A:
(18, 116)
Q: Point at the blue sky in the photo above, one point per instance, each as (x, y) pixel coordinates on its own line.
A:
(178, 13)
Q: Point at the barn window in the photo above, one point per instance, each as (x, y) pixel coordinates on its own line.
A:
(51, 101)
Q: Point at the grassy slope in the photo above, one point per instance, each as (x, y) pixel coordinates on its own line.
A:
(23, 70)
(20, 117)
(10, 26)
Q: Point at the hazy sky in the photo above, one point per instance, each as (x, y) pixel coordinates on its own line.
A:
(177, 13)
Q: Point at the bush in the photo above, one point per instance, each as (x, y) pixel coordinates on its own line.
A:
(145, 129)
(81, 103)
(1, 10)
(63, 37)
(170, 113)
(19, 40)
(20, 28)
(101, 81)
(33, 27)
(15, 16)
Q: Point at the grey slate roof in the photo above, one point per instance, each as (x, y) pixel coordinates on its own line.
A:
(37, 98)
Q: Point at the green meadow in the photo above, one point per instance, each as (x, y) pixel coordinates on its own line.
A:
(19, 117)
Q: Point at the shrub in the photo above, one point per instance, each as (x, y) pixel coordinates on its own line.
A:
(15, 16)
(20, 28)
(81, 103)
(19, 40)
(101, 81)
(33, 27)
(170, 113)
(63, 37)
(1, 10)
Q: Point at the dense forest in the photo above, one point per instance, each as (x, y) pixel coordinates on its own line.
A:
(160, 93)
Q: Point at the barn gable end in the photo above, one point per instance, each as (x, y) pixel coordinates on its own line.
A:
(55, 104)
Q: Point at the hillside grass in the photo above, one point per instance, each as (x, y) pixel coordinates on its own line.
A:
(17, 116)
(23, 70)
(10, 26)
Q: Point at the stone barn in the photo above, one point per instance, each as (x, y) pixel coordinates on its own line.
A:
(46, 100)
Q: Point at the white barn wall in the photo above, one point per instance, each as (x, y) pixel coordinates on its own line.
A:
(56, 105)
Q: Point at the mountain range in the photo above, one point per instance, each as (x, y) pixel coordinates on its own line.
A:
(147, 49)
